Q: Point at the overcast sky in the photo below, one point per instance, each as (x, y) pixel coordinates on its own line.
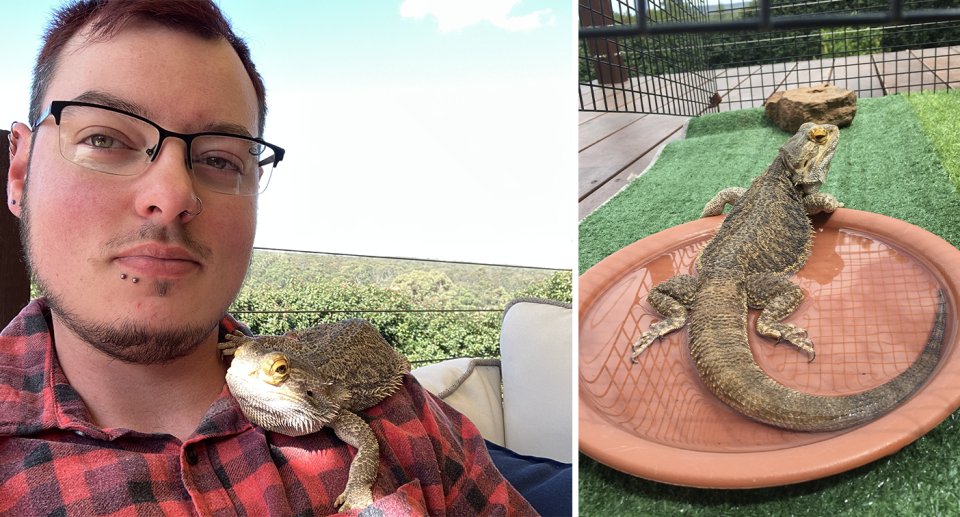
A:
(435, 129)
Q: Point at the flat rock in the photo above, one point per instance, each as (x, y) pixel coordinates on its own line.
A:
(823, 104)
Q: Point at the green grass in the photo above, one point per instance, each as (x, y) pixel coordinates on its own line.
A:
(938, 113)
(889, 161)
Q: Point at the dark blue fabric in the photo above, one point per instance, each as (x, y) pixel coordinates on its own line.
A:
(546, 484)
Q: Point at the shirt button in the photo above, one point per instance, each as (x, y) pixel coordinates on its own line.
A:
(191, 455)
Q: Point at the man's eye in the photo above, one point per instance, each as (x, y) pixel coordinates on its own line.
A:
(218, 163)
(101, 141)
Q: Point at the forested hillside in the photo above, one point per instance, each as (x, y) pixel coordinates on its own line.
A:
(428, 310)
(457, 286)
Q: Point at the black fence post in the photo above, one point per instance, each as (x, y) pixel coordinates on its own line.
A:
(607, 62)
(14, 278)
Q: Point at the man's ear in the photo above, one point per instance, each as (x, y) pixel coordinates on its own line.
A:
(20, 139)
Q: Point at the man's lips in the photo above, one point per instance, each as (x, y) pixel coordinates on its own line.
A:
(151, 260)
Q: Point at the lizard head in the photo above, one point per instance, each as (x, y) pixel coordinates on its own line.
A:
(279, 391)
(808, 153)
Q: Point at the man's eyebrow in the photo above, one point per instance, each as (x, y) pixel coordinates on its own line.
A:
(113, 101)
(226, 127)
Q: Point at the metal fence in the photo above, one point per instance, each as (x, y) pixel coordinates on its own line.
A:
(644, 74)
(688, 58)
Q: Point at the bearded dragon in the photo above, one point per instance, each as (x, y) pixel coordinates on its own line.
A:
(764, 239)
(319, 377)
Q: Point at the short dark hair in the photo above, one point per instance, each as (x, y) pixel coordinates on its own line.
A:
(106, 17)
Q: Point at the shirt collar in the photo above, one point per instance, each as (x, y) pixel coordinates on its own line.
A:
(35, 395)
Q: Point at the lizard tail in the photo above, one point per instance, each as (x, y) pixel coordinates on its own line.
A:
(718, 343)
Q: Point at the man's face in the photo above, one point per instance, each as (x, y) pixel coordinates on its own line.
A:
(89, 234)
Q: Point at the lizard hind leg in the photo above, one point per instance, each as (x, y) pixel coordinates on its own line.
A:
(778, 297)
(671, 299)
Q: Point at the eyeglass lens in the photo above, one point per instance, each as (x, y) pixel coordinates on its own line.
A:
(114, 143)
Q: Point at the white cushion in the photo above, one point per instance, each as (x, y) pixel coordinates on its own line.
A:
(472, 387)
(536, 351)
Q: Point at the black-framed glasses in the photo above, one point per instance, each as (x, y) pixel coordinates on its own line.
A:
(113, 141)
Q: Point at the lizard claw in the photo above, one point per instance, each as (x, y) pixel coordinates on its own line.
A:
(790, 333)
(229, 347)
(642, 343)
(351, 499)
(657, 330)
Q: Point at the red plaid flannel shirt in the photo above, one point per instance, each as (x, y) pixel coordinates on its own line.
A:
(54, 461)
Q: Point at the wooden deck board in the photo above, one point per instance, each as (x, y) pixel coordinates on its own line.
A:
(607, 191)
(587, 116)
(728, 85)
(614, 97)
(809, 73)
(600, 162)
(901, 72)
(761, 85)
(652, 93)
(945, 62)
(601, 127)
(857, 73)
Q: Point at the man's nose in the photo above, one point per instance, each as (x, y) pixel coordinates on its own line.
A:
(165, 190)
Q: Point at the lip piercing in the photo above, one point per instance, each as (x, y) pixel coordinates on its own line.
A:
(123, 276)
(198, 211)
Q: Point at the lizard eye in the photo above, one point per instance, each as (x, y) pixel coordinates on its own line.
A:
(276, 369)
(309, 393)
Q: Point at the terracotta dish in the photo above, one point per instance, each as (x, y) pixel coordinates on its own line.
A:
(871, 289)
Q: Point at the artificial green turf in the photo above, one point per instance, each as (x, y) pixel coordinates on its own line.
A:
(939, 113)
(885, 163)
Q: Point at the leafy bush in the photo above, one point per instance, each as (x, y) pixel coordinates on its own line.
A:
(558, 286)
(429, 334)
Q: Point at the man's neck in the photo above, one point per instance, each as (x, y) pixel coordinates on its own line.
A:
(170, 398)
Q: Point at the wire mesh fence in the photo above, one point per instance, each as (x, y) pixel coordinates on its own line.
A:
(644, 74)
(692, 57)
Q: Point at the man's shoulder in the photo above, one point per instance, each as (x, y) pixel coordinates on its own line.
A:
(24, 357)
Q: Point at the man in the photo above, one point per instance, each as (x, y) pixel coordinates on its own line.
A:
(136, 185)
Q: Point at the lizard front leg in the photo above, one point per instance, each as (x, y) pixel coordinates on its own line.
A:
(363, 470)
(232, 343)
(671, 299)
(778, 297)
(723, 198)
(820, 202)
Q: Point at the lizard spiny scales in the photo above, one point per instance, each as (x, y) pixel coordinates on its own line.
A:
(319, 378)
(764, 239)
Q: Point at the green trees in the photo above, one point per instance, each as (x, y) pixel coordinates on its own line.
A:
(425, 286)
(450, 310)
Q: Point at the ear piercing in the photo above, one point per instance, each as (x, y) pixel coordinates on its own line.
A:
(14, 202)
(13, 144)
(123, 276)
(198, 211)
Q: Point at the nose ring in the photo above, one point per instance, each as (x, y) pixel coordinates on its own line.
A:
(198, 211)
